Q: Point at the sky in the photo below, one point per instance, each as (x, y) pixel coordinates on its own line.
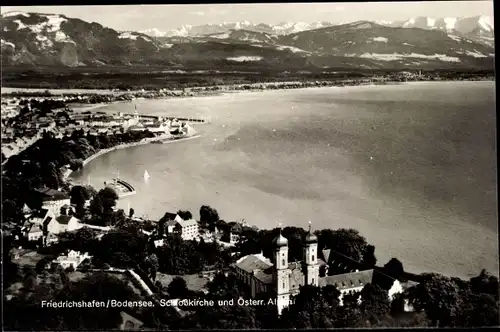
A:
(164, 17)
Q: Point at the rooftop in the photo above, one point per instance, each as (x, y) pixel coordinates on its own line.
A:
(52, 194)
(348, 280)
(253, 262)
(187, 223)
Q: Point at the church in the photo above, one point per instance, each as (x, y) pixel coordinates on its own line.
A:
(284, 278)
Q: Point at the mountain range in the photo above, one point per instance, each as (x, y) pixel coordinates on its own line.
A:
(475, 27)
(33, 39)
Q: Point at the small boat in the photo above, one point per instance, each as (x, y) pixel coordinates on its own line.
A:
(157, 142)
(146, 175)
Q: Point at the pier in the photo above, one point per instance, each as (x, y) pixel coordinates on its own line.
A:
(122, 188)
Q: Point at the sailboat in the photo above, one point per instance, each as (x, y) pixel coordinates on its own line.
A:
(146, 175)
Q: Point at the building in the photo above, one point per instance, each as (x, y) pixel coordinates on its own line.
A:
(34, 233)
(137, 127)
(156, 127)
(53, 199)
(187, 229)
(51, 239)
(41, 217)
(129, 322)
(73, 258)
(355, 281)
(285, 278)
(60, 224)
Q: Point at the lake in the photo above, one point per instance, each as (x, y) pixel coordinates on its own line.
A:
(411, 166)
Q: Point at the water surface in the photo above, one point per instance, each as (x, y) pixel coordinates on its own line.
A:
(413, 167)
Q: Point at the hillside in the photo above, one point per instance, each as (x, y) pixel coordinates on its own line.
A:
(30, 39)
(405, 46)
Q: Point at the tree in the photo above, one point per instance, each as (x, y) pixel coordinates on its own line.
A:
(42, 264)
(177, 289)
(369, 260)
(79, 195)
(375, 302)
(75, 164)
(438, 296)
(185, 215)
(97, 207)
(311, 309)
(346, 242)
(30, 283)
(151, 265)
(485, 283)
(108, 197)
(479, 310)
(394, 268)
(208, 216)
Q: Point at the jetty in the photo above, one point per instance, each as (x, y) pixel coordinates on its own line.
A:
(122, 188)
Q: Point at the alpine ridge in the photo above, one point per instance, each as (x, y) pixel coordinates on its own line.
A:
(31, 39)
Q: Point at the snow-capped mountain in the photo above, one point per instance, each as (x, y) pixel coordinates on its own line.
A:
(244, 36)
(479, 28)
(283, 28)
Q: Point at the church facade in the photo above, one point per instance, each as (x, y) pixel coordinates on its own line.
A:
(284, 278)
(278, 275)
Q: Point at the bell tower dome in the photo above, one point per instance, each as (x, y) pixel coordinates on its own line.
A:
(311, 258)
(281, 273)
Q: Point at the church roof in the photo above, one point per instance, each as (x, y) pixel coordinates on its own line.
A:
(310, 237)
(348, 280)
(253, 262)
(264, 277)
(280, 241)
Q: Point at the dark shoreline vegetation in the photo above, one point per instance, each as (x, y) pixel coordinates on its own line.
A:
(123, 79)
(439, 300)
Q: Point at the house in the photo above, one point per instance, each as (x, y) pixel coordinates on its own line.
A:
(129, 322)
(41, 217)
(34, 233)
(51, 239)
(26, 211)
(73, 258)
(53, 199)
(156, 127)
(355, 281)
(159, 243)
(137, 127)
(187, 229)
(64, 223)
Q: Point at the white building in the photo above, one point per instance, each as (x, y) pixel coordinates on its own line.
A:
(188, 229)
(53, 200)
(73, 258)
(34, 233)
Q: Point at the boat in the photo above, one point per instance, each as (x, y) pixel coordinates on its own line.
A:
(157, 142)
(146, 175)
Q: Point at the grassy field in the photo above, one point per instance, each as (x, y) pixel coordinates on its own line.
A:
(157, 78)
(26, 257)
(194, 281)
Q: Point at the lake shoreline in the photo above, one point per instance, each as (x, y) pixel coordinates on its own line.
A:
(144, 141)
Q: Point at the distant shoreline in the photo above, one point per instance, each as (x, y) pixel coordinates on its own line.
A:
(100, 97)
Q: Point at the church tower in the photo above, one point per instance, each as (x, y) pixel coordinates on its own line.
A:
(281, 273)
(311, 258)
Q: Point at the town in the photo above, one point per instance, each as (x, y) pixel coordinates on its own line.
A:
(68, 241)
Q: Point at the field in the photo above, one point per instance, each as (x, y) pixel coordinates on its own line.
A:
(194, 281)
(151, 78)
